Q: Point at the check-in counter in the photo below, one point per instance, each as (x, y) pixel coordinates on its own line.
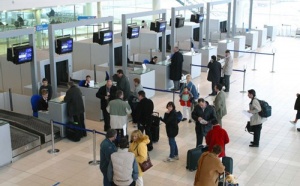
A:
(271, 32)
(240, 45)
(252, 39)
(224, 45)
(5, 144)
(207, 52)
(262, 36)
(162, 74)
(92, 103)
(147, 77)
(194, 59)
(57, 109)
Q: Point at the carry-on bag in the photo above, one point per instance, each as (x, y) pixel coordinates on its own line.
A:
(193, 156)
(228, 163)
(72, 133)
(155, 127)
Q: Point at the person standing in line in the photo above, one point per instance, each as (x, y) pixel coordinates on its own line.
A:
(203, 114)
(138, 147)
(255, 120)
(217, 136)
(123, 168)
(106, 93)
(297, 107)
(170, 119)
(75, 106)
(144, 116)
(47, 87)
(134, 98)
(209, 168)
(227, 70)
(122, 83)
(220, 103)
(107, 147)
(119, 111)
(186, 103)
(176, 68)
(214, 73)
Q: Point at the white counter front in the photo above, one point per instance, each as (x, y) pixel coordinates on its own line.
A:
(194, 59)
(147, 77)
(162, 74)
(207, 52)
(5, 144)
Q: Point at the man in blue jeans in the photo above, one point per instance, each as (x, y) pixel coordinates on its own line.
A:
(107, 147)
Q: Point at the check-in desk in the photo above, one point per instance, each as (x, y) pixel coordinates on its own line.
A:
(271, 32)
(224, 45)
(92, 103)
(57, 109)
(147, 77)
(194, 59)
(162, 75)
(239, 44)
(5, 144)
(252, 39)
(206, 53)
(262, 36)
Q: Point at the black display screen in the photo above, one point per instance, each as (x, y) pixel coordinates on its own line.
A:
(24, 54)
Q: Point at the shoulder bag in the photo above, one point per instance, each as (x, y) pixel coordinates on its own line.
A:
(146, 164)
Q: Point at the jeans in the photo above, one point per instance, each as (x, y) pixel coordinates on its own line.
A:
(227, 82)
(173, 148)
(106, 118)
(256, 135)
(105, 179)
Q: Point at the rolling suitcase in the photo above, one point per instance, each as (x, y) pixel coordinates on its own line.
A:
(72, 133)
(193, 156)
(155, 127)
(228, 163)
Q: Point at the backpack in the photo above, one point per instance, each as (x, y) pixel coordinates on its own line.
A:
(266, 109)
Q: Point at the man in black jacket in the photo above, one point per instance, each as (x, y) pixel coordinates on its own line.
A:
(203, 114)
(122, 83)
(75, 106)
(214, 73)
(176, 68)
(106, 93)
(144, 116)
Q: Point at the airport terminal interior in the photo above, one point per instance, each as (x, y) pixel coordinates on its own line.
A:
(271, 70)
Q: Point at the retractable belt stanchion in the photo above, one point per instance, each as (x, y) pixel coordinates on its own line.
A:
(273, 63)
(53, 150)
(94, 162)
(254, 62)
(173, 96)
(244, 79)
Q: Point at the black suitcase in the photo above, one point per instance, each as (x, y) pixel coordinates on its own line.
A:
(72, 133)
(155, 119)
(193, 156)
(228, 163)
(155, 133)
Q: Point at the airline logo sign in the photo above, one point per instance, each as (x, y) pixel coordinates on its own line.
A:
(85, 17)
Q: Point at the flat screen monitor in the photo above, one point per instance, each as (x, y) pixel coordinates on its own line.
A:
(179, 22)
(133, 32)
(64, 45)
(96, 38)
(161, 26)
(20, 54)
(197, 18)
(106, 36)
(153, 26)
(200, 18)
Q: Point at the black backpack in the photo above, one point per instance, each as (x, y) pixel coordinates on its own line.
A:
(266, 109)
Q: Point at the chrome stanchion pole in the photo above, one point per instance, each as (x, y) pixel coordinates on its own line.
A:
(254, 62)
(273, 63)
(53, 150)
(95, 74)
(244, 79)
(174, 96)
(94, 162)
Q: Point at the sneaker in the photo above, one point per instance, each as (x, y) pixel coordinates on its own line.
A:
(292, 122)
(169, 160)
(176, 158)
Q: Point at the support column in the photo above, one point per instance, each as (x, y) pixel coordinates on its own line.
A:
(250, 14)
(37, 14)
(87, 10)
(234, 18)
(155, 6)
(228, 20)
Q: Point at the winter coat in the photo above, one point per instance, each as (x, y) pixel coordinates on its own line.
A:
(118, 110)
(227, 68)
(123, 84)
(102, 92)
(209, 168)
(297, 103)
(74, 101)
(170, 119)
(217, 135)
(176, 66)
(140, 151)
(220, 104)
(214, 72)
(144, 111)
(254, 108)
(107, 147)
(207, 114)
(49, 90)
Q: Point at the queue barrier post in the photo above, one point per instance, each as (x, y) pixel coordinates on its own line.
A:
(244, 80)
(52, 150)
(273, 63)
(94, 161)
(254, 62)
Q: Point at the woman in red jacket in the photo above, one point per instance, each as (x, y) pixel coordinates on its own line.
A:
(217, 136)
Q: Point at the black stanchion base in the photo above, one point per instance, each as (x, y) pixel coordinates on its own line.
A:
(272, 71)
(253, 69)
(243, 91)
(97, 162)
(54, 151)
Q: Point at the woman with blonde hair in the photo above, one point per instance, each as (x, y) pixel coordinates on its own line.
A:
(138, 147)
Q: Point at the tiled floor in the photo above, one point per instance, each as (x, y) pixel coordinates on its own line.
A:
(275, 162)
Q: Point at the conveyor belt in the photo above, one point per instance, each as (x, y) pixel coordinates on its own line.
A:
(23, 141)
(30, 124)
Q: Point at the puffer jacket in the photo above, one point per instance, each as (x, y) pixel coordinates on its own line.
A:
(140, 151)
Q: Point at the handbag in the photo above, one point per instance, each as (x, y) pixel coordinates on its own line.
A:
(146, 164)
(249, 128)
